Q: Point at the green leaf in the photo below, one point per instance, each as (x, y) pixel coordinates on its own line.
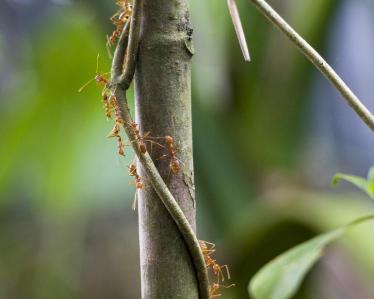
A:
(371, 182)
(282, 277)
(371, 174)
(358, 181)
(365, 185)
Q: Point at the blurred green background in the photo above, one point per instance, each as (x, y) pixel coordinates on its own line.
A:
(268, 136)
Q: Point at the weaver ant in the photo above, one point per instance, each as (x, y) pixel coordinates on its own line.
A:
(116, 129)
(174, 162)
(138, 182)
(116, 133)
(214, 288)
(119, 19)
(205, 249)
(101, 80)
(133, 172)
(210, 262)
(142, 139)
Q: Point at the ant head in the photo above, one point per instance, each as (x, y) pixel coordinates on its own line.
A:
(175, 166)
(169, 139)
(215, 287)
(113, 99)
(203, 245)
(132, 170)
(216, 267)
(142, 148)
(133, 125)
(99, 78)
(139, 185)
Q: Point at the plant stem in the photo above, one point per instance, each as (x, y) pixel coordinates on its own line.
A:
(314, 57)
(167, 243)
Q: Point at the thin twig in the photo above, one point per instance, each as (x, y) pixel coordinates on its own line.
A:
(314, 57)
(235, 17)
(133, 45)
(119, 91)
(120, 52)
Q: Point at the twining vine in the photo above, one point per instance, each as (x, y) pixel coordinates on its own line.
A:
(126, 36)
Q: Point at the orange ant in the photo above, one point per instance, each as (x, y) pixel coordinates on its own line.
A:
(139, 138)
(138, 182)
(107, 104)
(133, 172)
(174, 163)
(116, 129)
(142, 139)
(99, 78)
(210, 262)
(216, 268)
(116, 133)
(119, 19)
(214, 288)
(205, 249)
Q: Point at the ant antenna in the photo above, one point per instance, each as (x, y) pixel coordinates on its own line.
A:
(89, 81)
(99, 78)
(97, 63)
(85, 85)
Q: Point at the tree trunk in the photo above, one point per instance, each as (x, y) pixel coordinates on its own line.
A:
(163, 107)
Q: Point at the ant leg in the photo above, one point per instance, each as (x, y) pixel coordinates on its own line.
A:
(153, 142)
(227, 271)
(107, 45)
(162, 157)
(220, 273)
(212, 245)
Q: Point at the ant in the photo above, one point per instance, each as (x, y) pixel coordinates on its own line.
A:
(205, 249)
(119, 19)
(214, 288)
(138, 182)
(174, 163)
(210, 262)
(116, 133)
(99, 78)
(139, 138)
(108, 105)
(133, 172)
(118, 121)
(216, 268)
(142, 139)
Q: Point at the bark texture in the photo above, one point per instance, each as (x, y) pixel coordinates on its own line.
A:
(163, 106)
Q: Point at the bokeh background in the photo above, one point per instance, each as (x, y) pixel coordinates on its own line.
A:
(268, 137)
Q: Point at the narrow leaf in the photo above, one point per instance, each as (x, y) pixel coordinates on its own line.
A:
(358, 181)
(282, 277)
(371, 174)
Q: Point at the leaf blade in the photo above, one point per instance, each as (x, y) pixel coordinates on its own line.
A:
(282, 277)
(357, 181)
